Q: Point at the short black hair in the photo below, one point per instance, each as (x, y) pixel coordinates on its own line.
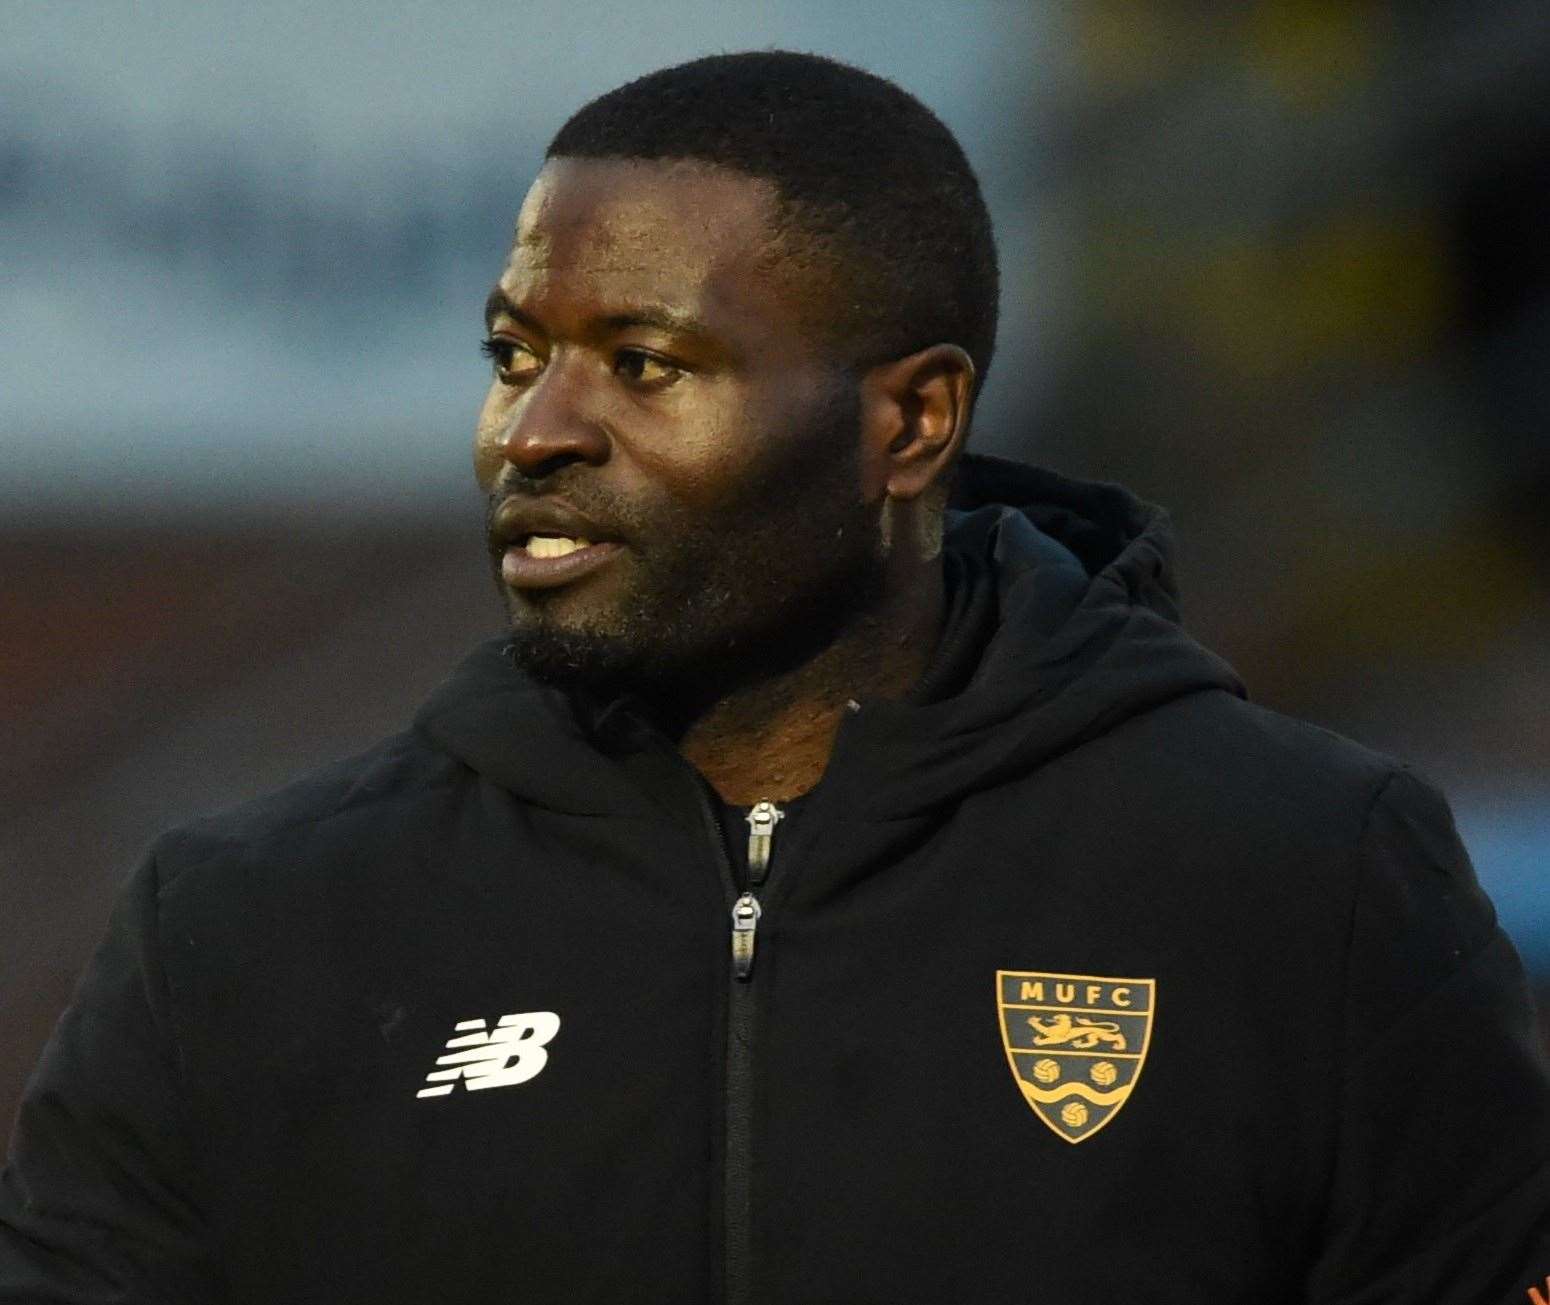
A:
(867, 178)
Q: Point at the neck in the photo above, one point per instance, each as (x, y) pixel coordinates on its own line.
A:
(773, 739)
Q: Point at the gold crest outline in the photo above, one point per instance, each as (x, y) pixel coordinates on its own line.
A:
(1138, 1057)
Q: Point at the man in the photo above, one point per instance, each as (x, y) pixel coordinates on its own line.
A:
(803, 902)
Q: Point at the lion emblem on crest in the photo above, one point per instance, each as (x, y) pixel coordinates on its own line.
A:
(1080, 1034)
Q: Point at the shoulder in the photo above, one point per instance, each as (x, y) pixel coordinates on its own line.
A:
(1387, 815)
(355, 801)
(1249, 762)
(1322, 822)
(1216, 759)
(1302, 813)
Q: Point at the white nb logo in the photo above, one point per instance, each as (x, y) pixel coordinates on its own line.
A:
(512, 1053)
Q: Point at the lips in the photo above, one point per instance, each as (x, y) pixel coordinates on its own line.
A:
(544, 543)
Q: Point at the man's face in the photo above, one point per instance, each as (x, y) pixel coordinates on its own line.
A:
(657, 396)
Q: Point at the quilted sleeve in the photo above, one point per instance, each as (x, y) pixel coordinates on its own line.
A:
(1441, 1191)
(97, 1200)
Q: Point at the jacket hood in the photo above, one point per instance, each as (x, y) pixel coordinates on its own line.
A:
(1063, 621)
(1085, 634)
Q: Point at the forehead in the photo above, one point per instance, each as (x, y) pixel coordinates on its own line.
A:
(605, 233)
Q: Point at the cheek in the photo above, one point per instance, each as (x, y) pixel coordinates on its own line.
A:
(693, 453)
(488, 438)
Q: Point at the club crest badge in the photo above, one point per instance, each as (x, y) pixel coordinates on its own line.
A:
(1076, 1044)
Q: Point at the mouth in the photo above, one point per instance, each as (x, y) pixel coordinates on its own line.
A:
(546, 561)
(544, 542)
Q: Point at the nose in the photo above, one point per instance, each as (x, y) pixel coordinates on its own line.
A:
(550, 426)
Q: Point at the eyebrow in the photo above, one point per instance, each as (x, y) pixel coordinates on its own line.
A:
(660, 316)
(498, 303)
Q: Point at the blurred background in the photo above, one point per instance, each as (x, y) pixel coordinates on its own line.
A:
(1281, 266)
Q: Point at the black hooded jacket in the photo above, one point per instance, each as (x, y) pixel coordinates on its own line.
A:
(1078, 978)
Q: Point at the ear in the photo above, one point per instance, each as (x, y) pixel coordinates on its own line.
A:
(914, 418)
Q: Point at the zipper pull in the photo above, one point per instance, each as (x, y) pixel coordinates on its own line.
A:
(745, 920)
(762, 819)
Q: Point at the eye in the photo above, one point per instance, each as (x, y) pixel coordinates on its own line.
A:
(645, 369)
(513, 361)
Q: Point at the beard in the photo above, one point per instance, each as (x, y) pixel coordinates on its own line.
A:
(713, 599)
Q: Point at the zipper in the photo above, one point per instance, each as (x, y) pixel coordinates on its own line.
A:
(745, 925)
(762, 819)
(737, 1208)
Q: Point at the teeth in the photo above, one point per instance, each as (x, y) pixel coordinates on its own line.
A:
(553, 545)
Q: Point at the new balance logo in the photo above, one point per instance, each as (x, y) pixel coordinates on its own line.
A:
(511, 1053)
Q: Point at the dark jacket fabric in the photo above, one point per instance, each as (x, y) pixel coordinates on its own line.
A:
(1078, 978)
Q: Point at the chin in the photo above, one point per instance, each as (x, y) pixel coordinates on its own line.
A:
(573, 659)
